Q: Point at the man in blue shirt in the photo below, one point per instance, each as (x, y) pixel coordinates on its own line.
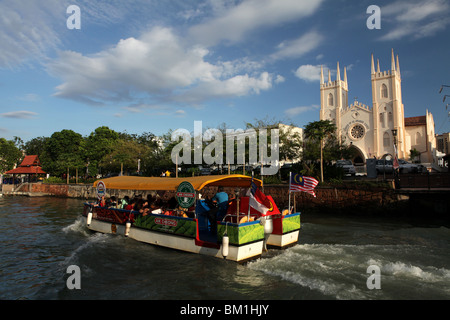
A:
(217, 213)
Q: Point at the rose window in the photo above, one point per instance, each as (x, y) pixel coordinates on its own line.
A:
(357, 132)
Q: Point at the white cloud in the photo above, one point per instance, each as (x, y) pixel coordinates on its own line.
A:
(157, 64)
(292, 112)
(237, 86)
(415, 19)
(19, 114)
(308, 73)
(27, 30)
(279, 79)
(180, 113)
(235, 22)
(298, 47)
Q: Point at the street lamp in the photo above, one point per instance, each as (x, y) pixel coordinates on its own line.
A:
(395, 164)
(394, 133)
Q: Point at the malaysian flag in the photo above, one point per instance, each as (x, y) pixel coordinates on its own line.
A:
(299, 183)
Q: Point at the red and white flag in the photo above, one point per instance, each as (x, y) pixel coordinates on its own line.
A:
(299, 183)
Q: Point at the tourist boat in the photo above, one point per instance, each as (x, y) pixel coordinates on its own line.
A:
(243, 233)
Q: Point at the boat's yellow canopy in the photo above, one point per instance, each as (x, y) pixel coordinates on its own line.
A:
(167, 183)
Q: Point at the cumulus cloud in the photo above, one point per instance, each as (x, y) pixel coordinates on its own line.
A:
(165, 65)
(415, 19)
(308, 73)
(158, 64)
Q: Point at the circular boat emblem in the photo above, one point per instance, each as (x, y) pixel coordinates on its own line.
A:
(185, 195)
(101, 189)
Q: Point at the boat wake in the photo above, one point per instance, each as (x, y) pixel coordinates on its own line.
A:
(340, 271)
(78, 226)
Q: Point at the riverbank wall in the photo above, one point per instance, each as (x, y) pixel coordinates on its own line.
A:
(351, 199)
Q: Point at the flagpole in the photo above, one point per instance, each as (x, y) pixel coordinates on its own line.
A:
(248, 213)
(289, 207)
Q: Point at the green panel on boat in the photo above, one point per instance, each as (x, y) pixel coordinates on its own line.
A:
(291, 223)
(243, 233)
(174, 225)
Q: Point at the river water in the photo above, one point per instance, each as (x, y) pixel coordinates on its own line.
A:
(41, 237)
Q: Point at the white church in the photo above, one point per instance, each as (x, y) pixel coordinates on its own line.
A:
(370, 130)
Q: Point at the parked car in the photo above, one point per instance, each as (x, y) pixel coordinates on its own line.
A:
(240, 169)
(205, 171)
(407, 167)
(257, 169)
(421, 168)
(384, 166)
(347, 165)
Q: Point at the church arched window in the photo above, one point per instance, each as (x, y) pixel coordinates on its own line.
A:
(418, 138)
(382, 120)
(390, 117)
(384, 91)
(386, 140)
(330, 99)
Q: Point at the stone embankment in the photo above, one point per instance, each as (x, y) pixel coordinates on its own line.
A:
(336, 199)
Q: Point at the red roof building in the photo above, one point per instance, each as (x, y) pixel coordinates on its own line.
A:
(29, 165)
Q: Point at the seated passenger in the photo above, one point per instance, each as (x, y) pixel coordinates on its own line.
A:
(130, 205)
(217, 209)
(124, 202)
(111, 203)
(101, 202)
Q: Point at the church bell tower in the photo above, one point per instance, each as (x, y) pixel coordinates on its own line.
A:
(333, 98)
(388, 110)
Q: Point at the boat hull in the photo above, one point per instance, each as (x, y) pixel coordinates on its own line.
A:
(286, 230)
(165, 230)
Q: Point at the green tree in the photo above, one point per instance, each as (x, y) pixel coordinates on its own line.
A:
(125, 156)
(414, 154)
(64, 149)
(10, 155)
(35, 146)
(318, 131)
(100, 143)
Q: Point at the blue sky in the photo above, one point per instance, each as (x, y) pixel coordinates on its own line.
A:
(153, 65)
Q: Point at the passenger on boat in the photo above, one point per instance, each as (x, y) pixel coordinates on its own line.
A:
(130, 205)
(218, 208)
(147, 205)
(139, 205)
(112, 202)
(172, 203)
(124, 202)
(101, 202)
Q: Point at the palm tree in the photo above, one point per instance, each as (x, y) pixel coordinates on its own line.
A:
(319, 130)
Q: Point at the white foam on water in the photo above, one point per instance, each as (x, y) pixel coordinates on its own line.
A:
(340, 271)
(78, 226)
(400, 269)
(93, 240)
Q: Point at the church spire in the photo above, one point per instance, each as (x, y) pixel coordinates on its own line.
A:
(321, 75)
(373, 65)
(378, 65)
(392, 61)
(329, 76)
(338, 76)
(398, 66)
(345, 76)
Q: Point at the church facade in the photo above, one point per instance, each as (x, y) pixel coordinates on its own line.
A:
(373, 131)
